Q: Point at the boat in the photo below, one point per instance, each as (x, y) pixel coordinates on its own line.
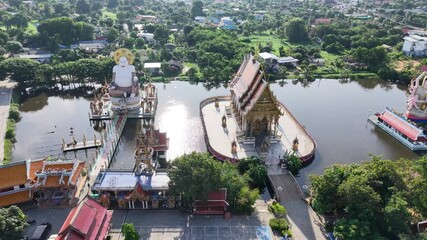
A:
(400, 128)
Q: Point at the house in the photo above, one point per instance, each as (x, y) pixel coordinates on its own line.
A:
(288, 61)
(216, 203)
(200, 19)
(57, 182)
(148, 37)
(41, 58)
(87, 221)
(16, 181)
(269, 58)
(170, 46)
(415, 45)
(147, 18)
(324, 21)
(227, 23)
(318, 61)
(154, 67)
(175, 65)
(92, 46)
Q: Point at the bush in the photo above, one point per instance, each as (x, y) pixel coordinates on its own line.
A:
(10, 130)
(14, 112)
(128, 230)
(287, 233)
(277, 209)
(279, 224)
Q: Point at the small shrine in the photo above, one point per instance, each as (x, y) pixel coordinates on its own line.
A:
(146, 186)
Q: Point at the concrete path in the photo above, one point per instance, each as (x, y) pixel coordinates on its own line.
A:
(305, 222)
(5, 97)
(173, 224)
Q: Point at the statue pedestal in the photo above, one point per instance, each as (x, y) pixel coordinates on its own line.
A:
(129, 103)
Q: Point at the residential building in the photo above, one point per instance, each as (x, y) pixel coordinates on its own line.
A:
(415, 45)
(154, 67)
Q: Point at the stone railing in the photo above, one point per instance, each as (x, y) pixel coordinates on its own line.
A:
(308, 158)
(212, 151)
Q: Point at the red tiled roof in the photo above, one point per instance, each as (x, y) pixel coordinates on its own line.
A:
(322, 21)
(162, 142)
(89, 221)
(401, 125)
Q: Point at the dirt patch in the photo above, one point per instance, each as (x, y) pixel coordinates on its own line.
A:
(400, 65)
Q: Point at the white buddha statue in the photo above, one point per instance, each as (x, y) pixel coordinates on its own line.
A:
(125, 83)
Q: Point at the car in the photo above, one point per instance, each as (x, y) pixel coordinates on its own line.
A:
(42, 232)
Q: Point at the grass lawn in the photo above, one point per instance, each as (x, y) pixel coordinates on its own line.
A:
(264, 39)
(107, 14)
(274, 40)
(192, 65)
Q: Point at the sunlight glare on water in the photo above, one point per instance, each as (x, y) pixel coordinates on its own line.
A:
(183, 130)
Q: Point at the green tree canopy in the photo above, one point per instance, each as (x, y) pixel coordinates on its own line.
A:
(194, 175)
(295, 30)
(21, 70)
(372, 200)
(12, 223)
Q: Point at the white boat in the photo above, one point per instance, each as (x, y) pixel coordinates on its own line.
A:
(400, 128)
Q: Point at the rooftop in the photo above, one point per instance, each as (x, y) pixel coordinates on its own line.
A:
(127, 180)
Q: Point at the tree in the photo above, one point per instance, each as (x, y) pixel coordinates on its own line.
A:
(294, 164)
(12, 223)
(21, 69)
(19, 20)
(194, 175)
(128, 230)
(112, 35)
(197, 9)
(14, 46)
(295, 30)
(161, 34)
(82, 7)
(113, 3)
(246, 200)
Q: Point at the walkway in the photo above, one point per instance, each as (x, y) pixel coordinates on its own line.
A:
(106, 152)
(6, 88)
(305, 222)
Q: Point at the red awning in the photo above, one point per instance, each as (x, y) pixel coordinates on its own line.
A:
(401, 125)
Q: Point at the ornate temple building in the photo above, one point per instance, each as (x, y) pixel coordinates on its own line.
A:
(254, 106)
(57, 181)
(143, 187)
(16, 181)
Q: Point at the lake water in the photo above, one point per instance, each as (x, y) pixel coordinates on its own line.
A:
(334, 113)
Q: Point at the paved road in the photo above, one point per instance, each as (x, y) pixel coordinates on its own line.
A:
(5, 96)
(305, 222)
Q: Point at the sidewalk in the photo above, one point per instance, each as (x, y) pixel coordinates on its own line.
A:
(6, 87)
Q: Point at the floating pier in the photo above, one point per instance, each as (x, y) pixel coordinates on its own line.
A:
(85, 144)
